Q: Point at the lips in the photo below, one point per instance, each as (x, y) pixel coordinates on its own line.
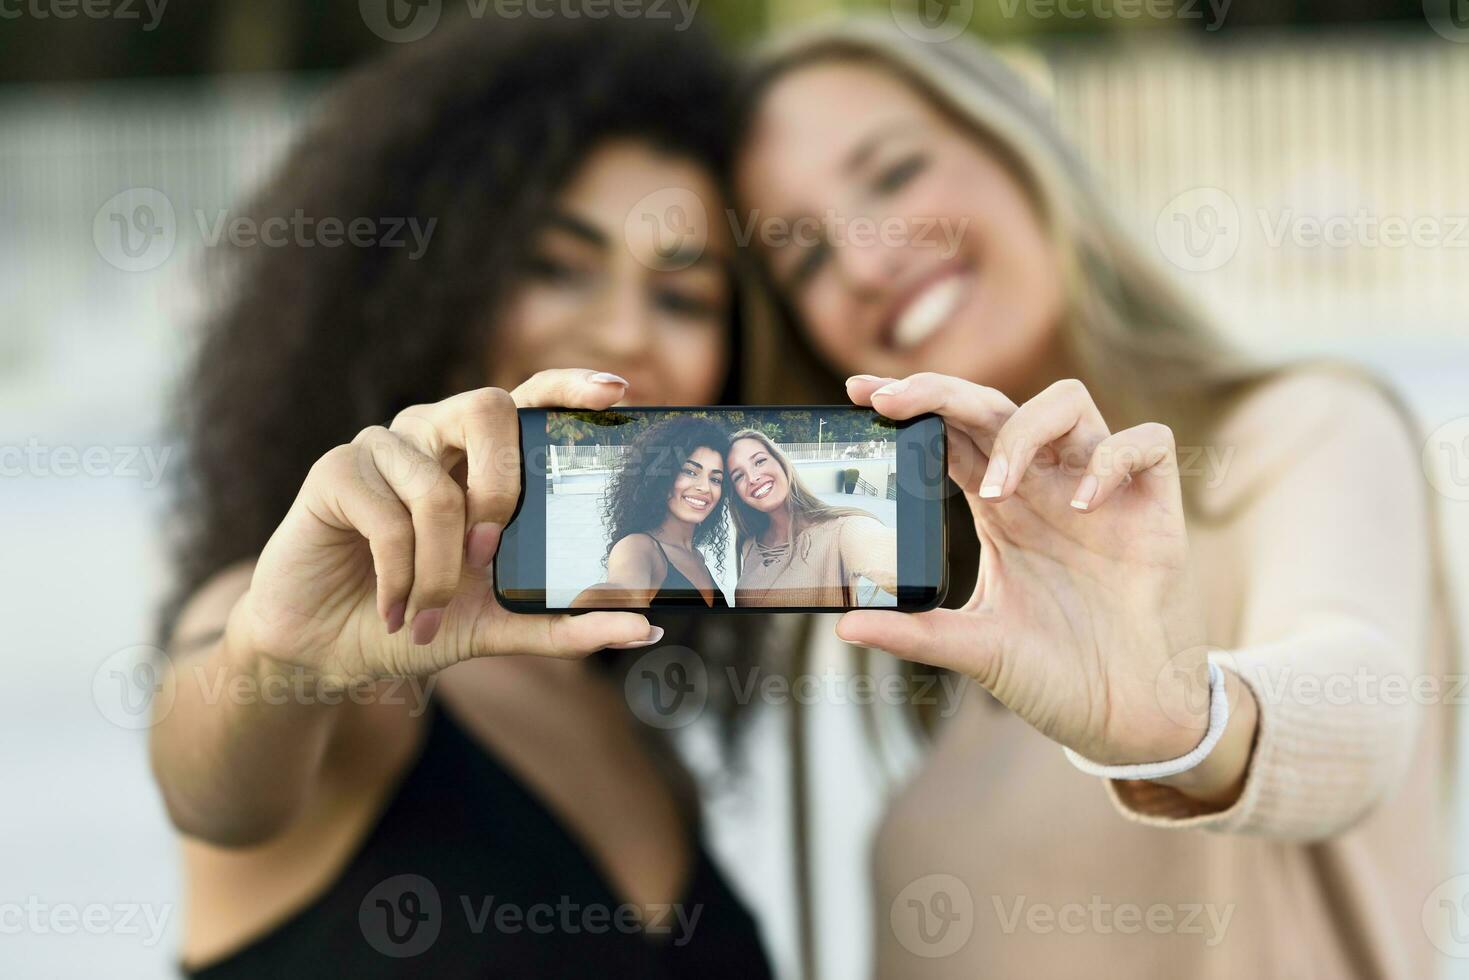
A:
(763, 490)
(929, 308)
(698, 503)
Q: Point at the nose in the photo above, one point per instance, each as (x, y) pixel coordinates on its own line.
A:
(622, 328)
(867, 268)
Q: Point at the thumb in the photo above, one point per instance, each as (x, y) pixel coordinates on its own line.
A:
(954, 639)
(571, 388)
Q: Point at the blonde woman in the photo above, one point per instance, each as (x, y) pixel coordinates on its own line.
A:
(1274, 829)
(795, 550)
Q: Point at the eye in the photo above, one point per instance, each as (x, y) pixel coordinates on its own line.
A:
(899, 174)
(811, 262)
(548, 269)
(683, 305)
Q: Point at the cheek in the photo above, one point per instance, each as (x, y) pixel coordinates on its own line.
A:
(823, 307)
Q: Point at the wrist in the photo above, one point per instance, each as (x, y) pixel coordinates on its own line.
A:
(1219, 779)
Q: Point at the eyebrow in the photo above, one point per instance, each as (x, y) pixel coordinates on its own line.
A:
(577, 228)
(690, 461)
(864, 150)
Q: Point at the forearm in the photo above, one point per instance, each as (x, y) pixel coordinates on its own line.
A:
(240, 743)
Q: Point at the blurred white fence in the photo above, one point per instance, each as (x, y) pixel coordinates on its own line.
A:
(1308, 191)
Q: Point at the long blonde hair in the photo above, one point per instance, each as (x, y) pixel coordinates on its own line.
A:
(1143, 349)
(806, 509)
(1141, 346)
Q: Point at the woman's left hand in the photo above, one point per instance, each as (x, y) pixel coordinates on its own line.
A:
(1084, 621)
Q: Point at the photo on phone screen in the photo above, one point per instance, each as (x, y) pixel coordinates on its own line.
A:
(721, 509)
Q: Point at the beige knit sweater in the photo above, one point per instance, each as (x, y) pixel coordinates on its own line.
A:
(1324, 867)
(822, 567)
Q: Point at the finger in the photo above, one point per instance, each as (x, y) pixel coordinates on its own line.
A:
(571, 388)
(481, 429)
(1145, 453)
(1063, 419)
(336, 492)
(978, 409)
(564, 636)
(959, 640)
(861, 386)
(437, 513)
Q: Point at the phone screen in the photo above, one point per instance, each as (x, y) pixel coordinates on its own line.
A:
(726, 509)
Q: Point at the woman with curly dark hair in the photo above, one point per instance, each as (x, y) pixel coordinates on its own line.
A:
(662, 506)
(336, 819)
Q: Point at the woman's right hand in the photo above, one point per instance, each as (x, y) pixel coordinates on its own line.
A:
(381, 567)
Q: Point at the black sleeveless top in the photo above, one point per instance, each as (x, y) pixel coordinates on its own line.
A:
(467, 874)
(677, 590)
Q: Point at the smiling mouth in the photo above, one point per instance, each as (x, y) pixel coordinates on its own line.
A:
(762, 491)
(698, 503)
(928, 310)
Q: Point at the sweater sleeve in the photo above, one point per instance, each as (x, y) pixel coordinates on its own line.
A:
(1332, 738)
(1335, 635)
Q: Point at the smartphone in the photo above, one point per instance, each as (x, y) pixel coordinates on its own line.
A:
(769, 509)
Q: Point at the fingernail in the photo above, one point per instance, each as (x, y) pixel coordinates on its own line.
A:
(1085, 493)
(395, 617)
(892, 388)
(603, 378)
(862, 377)
(482, 540)
(654, 635)
(426, 626)
(994, 478)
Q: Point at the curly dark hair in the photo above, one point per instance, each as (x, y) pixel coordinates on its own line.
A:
(479, 127)
(636, 499)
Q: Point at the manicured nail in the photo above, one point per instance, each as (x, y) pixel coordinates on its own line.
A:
(1085, 492)
(603, 378)
(654, 635)
(994, 478)
(426, 626)
(862, 377)
(480, 544)
(893, 388)
(395, 617)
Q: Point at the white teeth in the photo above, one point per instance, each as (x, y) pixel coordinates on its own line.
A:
(761, 492)
(696, 502)
(929, 311)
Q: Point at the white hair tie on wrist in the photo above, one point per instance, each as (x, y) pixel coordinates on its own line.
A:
(1218, 718)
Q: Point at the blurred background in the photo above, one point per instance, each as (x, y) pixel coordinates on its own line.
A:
(1298, 164)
